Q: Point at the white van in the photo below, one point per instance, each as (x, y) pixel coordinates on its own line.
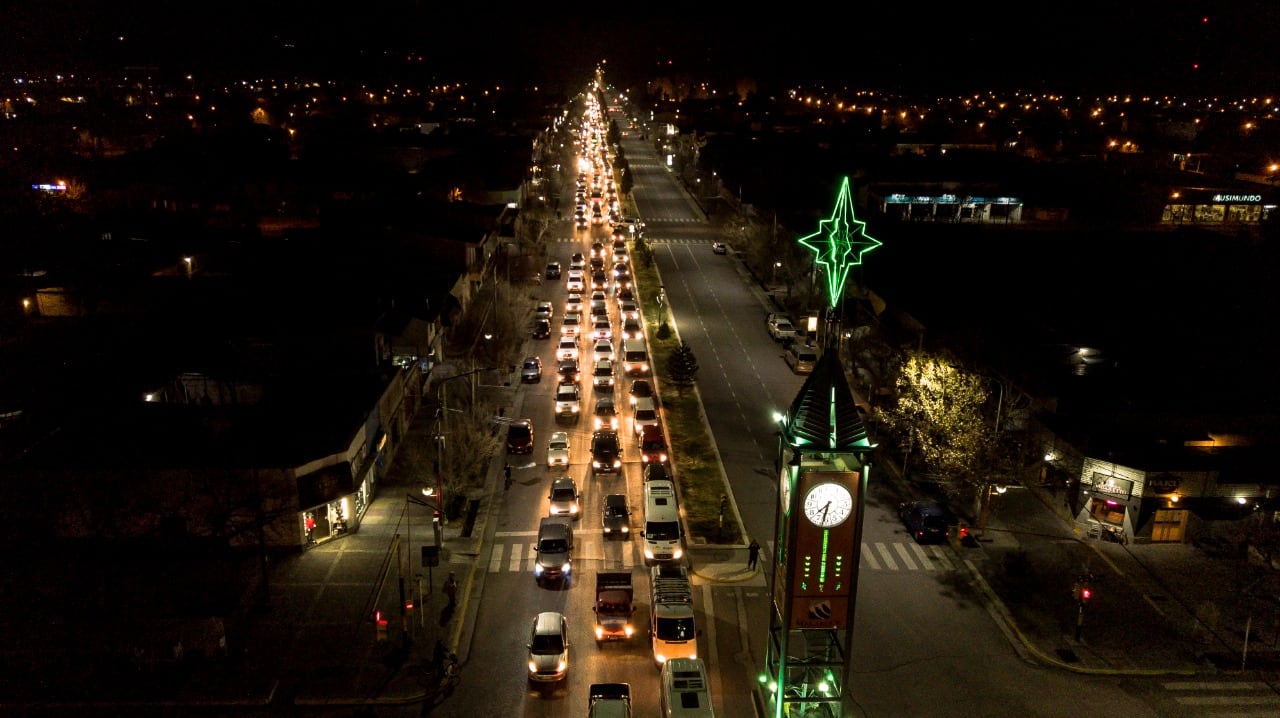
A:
(661, 532)
(635, 357)
(685, 693)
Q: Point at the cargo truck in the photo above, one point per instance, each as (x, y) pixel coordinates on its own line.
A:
(614, 606)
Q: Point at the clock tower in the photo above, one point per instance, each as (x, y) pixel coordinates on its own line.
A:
(824, 461)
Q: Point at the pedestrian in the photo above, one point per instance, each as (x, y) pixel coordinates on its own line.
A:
(506, 470)
(437, 658)
(753, 553)
(451, 589)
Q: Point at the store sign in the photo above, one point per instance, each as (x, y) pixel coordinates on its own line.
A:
(1164, 484)
(1253, 198)
(1111, 486)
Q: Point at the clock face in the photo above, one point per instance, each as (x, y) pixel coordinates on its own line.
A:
(828, 504)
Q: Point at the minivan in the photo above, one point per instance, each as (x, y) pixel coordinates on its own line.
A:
(661, 532)
(685, 691)
(520, 437)
(801, 359)
(635, 357)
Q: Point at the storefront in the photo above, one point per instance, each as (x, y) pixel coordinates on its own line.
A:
(330, 506)
(1209, 207)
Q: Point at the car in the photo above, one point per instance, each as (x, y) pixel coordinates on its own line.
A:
(597, 249)
(567, 348)
(719, 248)
(606, 414)
(579, 220)
(598, 295)
(568, 400)
(531, 370)
(625, 293)
(571, 325)
(520, 437)
(541, 329)
(780, 327)
(602, 329)
(602, 374)
(544, 310)
(548, 648)
(620, 256)
(619, 233)
(927, 520)
(653, 445)
(600, 280)
(628, 308)
(603, 349)
(576, 281)
(640, 389)
(558, 449)
(573, 303)
(616, 517)
(552, 270)
(562, 500)
(577, 261)
(655, 471)
(621, 276)
(644, 412)
(801, 359)
(568, 371)
(606, 452)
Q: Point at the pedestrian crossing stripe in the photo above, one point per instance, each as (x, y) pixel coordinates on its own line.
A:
(591, 545)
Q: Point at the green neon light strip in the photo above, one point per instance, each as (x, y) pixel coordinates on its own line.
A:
(822, 565)
(839, 244)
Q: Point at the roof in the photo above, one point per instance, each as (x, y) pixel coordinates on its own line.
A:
(823, 415)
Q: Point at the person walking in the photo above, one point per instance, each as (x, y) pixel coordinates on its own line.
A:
(451, 589)
(506, 470)
(753, 553)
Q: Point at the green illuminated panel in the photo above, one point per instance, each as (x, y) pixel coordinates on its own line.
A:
(839, 244)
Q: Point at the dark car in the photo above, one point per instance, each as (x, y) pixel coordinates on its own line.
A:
(927, 520)
(719, 248)
(568, 371)
(616, 518)
(541, 329)
(553, 270)
(640, 388)
(520, 437)
(606, 452)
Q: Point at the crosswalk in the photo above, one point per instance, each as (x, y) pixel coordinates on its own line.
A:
(513, 552)
(1237, 699)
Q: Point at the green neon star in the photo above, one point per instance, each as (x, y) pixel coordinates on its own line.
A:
(840, 243)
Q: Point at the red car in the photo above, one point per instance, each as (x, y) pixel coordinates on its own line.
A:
(520, 437)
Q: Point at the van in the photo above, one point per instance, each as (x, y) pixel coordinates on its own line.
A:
(555, 544)
(685, 691)
(661, 535)
(635, 357)
(801, 359)
(644, 413)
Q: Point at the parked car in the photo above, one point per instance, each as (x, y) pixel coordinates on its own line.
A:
(801, 359)
(558, 449)
(719, 248)
(927, 521)
(520, 437)
(541, 329)
(780, 327)
(544, 310)
(553, 270)
(531, 370)
(562, 500)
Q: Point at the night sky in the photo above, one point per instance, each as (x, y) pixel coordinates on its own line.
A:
(1194, 46)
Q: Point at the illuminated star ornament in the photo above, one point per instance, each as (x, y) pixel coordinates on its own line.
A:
(840, 243)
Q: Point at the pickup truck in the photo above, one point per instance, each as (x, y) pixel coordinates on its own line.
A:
(613, 608)
(609, 700)
(780, 327)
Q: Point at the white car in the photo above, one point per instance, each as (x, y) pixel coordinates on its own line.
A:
(558, 449)
(568, 348)
(563, 498)
(544, 310)
(629, 309)
(576, 282)
(603, 350)
(602, 329)
(571, 325)
(573, 303)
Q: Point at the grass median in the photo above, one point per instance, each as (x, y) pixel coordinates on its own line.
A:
(693, 457)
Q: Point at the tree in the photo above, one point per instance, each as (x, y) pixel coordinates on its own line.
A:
(682, 367)
(938, 417)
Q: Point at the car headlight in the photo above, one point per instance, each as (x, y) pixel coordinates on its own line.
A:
(629, 630)
(566, 567)
(573, 509)
(662, 458)
(600, 633)
(561, 666)
(648, 552)
(533, 667)
(617, 463)
(677, 552)
(626, 530)
(595, 464)
(537, 569)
